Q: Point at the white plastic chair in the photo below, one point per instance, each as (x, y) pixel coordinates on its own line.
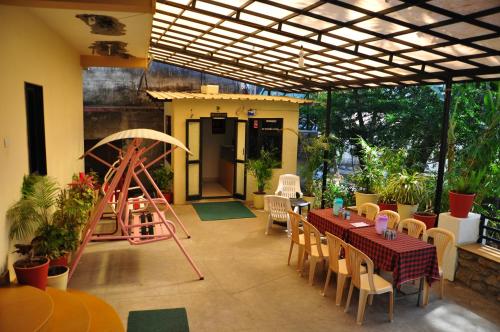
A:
(278, 208)
(288, 186)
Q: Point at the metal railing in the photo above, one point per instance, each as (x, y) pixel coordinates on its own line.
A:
(489, 230)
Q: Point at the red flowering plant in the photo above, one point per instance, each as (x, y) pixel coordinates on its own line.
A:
(82, 191)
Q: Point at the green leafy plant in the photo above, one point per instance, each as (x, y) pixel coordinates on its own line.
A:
(471, 167)
(313, 149)
(35, 208)
(408, 189)
(54, 217)
(369, 176)
(163, 177)
(262, 169)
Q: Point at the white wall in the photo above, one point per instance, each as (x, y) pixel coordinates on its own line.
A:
(32, 52)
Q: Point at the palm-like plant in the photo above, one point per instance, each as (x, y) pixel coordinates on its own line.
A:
(408, 189)
(35, 208)
(262, 169)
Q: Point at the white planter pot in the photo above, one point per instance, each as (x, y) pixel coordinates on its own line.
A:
(60, 278)
(365, 198)
(406, 211)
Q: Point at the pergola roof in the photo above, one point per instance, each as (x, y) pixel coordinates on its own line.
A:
(345, 44)
(169, 96)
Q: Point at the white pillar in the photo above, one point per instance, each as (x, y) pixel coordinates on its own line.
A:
(466, 230)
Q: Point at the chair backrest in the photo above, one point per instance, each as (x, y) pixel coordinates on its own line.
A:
(415, 227)
(311, 231)
(278, 207)
(288, 186)
(393, 218)
(442, 239)
(335, 246)
(295, 224)
(355, 259)
(369, 209)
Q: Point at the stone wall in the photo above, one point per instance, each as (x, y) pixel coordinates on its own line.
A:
(479, 273)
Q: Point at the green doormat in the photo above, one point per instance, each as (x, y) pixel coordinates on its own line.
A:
(222, 210)
(163, 320)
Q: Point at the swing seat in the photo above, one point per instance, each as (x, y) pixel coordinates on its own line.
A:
(159, 230)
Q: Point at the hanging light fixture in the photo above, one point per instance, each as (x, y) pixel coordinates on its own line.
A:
(301, 57)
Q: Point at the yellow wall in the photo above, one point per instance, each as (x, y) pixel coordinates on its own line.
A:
(31, 52)
(181, 110)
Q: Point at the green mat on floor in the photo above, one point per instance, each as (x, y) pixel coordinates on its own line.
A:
(222, 210)
(162, 320)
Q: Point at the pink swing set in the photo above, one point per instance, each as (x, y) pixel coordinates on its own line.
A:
(121, 175)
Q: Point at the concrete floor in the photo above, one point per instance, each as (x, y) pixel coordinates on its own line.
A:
(249, 287)
(213, 189)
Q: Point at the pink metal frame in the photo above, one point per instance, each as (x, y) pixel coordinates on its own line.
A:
(130, 166)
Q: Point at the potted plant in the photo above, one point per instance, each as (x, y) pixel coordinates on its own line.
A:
(470, 167)
(54, 217)
(386, 200)
(425, 211)
(31, 270)
(393, 162)
(368, 177)
(408, 191)
(313, 149)
(163, 177)
(262, 170)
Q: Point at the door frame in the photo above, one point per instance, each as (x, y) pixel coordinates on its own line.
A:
(188, 162)
(236, 161)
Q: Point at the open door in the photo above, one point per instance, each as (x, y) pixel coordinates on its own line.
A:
(193, 166)
(240, 174)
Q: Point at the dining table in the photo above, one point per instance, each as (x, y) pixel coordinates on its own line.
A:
(406, 257)
(325, 221)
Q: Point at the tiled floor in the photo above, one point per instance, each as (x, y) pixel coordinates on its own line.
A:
(249, 287)
(214, 189)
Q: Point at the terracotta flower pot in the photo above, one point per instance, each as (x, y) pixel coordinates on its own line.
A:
(62, 261)
(388, 206)
(35, 275)
(428, 219)
(461, 204)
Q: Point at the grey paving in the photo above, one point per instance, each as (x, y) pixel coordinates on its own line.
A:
(249, 287)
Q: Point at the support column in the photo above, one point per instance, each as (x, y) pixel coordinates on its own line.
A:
(443, 148)
(328, 117)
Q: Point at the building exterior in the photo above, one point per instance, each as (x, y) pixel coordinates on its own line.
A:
(45, 45)
(222, 131)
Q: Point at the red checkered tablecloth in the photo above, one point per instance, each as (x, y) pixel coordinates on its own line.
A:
(325, 221)
(408, 258)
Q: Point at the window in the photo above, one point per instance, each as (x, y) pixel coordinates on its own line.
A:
(36, 128)
(265, 134)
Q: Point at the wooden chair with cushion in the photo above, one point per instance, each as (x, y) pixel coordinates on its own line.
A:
(415, 227)
(337, 265)
(313, 248)
(369, 284)
(296, 238)
(393, 218)
(370, 210)
(278, 208)
(444, 240)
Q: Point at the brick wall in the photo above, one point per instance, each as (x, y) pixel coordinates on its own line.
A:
(479, 273)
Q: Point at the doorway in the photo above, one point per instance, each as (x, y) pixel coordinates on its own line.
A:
(36, 128)
(218, 141)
